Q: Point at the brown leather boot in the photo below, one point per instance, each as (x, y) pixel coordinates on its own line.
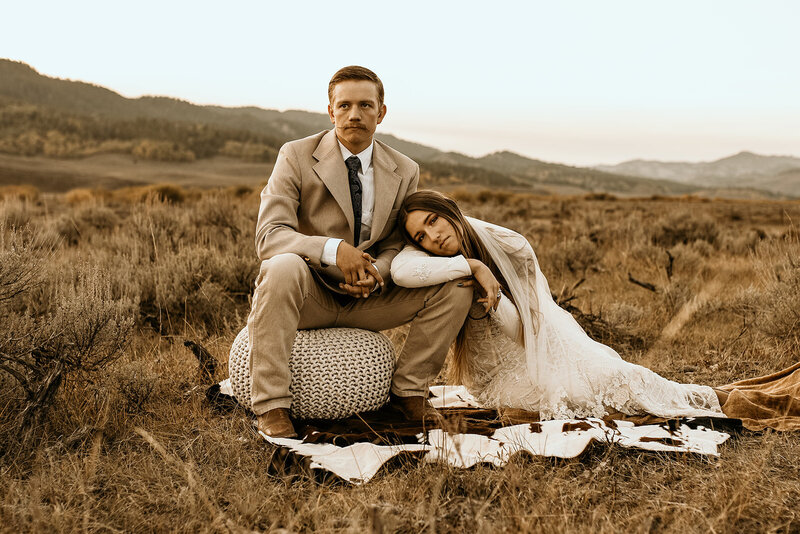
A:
(415, 408)
(276, 423)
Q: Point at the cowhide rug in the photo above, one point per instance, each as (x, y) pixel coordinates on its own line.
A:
(356, 448)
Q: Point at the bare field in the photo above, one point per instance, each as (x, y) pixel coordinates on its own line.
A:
(122, 170)
(105, 426)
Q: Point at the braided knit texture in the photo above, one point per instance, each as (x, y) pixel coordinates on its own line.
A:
(336, 372)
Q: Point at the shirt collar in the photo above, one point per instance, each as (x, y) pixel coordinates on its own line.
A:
(365, 155)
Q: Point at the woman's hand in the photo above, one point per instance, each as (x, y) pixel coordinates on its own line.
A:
(489, 284)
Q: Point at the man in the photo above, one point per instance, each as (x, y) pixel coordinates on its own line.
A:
(326, 235)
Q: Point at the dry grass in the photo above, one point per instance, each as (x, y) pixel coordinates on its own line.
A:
(130, 445)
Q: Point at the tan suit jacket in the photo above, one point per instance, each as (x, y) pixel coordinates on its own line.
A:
(307, 201)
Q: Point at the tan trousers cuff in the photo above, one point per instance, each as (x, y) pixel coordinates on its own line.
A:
(264, 407)
(418, 393)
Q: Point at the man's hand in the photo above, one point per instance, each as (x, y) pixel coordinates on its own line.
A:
(362, 288)
(357, 267)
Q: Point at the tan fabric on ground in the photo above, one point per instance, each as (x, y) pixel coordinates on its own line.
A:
(771, 401)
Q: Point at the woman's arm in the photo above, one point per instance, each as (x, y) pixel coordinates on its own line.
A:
(507, 317)
(415, 268)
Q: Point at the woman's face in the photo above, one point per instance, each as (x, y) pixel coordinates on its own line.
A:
(433, 233)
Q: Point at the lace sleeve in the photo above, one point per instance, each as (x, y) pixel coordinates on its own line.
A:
(507, 318)
(415, 268)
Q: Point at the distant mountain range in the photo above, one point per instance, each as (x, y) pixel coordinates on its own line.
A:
(778, 174)
(71, 102)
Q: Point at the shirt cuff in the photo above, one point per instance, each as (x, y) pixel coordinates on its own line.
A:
(329, 251)
(460, 266)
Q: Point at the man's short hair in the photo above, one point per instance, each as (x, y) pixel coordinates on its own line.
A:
(354, 72)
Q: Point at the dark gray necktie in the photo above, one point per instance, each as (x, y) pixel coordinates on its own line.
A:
(353, 165)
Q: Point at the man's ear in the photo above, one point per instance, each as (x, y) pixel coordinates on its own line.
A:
(381, 113)
(330, 114)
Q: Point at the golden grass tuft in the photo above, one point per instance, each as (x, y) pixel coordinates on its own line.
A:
(27, 193)
(84, 195)
(169, 193)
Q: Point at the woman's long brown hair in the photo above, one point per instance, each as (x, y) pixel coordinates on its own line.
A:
(469, 246)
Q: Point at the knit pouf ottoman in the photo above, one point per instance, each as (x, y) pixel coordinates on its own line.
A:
(336, 372)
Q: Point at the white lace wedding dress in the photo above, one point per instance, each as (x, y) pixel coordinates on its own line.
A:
(533, 355)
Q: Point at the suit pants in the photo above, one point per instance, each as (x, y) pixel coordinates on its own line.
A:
(288, 297)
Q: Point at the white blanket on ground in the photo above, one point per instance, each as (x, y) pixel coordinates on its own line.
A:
(359, 462)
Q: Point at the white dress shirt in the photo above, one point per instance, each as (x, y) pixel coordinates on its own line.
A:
(367, 176)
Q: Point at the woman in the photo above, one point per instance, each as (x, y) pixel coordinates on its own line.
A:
(518, 348)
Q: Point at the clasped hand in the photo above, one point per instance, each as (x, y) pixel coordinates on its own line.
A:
(360, 275)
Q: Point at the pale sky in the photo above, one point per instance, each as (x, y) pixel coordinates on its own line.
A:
(577, 82)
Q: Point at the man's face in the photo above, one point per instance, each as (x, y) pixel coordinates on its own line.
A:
(355, 112)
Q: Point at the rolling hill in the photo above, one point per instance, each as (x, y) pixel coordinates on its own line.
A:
(57, 118)
(777, 174)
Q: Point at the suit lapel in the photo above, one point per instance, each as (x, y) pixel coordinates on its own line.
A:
(387, 182)
(332, 171)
